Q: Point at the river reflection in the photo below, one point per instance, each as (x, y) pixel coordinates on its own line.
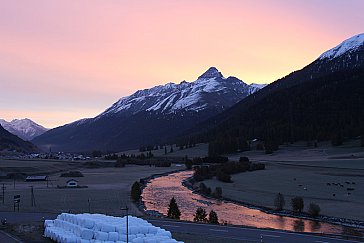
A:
(299, 225)
(159, 191)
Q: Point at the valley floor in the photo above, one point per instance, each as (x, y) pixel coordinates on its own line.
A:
(107, 189)
(331, 177)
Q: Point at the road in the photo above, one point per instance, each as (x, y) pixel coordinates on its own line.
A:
(240, 233)
(5, 237)
(225, 232)
(15, 218)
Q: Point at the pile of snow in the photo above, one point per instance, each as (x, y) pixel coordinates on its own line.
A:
(97, 228)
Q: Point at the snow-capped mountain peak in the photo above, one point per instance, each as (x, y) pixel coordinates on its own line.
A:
(349, 45)
(212, 72)
(210, 91)
(24, 128)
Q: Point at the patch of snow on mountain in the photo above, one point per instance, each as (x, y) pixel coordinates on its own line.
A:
(186, 102)
(255, 87)
(208, 91)
(159, 105)
(350, 44)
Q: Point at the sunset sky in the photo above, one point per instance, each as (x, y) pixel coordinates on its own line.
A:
(64, 60)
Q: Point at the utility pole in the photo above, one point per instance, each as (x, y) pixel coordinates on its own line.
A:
(16, 201)
(32, 196)
(127, 223)
(89, 207)
(3, 193)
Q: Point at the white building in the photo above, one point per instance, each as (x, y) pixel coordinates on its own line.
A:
(72, 183)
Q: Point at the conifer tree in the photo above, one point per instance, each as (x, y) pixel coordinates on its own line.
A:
(173, 210)
(200, 215)
(213, 219)
(136, 191)
(297, 204)
(279, 202)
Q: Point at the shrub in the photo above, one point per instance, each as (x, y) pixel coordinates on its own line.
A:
(297, 204)
(96, 153)
(111, 157)
(257, 166)
(173, 210)
(72, 174)
(188, 164)
(204, 189)
(314, 209)
(200, 215)
(279, 202)
(270, 146)
(222, 176)
(244, 159)
(337, 140)
(213, 219)
(163, 164)
(218, 192)
(120, 163)
(201, 173)
(136, 191)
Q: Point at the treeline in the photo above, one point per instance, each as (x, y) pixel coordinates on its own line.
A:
(297, 204)
(121, 162)
(327, 108)
(210, 160)
(141, 156)
(226, 145)
(217, 193)
(150, 148)
(205, 160)
(168, 147)
(224, 171)
(141, 159)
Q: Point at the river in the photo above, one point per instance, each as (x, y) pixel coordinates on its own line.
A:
(159, 191)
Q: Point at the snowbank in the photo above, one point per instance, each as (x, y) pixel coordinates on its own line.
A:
(97, 228)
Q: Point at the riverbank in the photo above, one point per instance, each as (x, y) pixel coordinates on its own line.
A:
(354, 224)
(144, 182)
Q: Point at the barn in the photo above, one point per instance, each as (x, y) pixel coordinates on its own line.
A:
(36, 178)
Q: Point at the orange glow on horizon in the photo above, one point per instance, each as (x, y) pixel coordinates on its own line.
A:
(63, 61)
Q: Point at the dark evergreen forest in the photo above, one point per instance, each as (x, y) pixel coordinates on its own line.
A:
(330, 107)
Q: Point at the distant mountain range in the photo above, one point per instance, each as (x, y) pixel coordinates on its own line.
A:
(10, 142)
(150, 116)
(210, 91)
(26, 129)
(323, 101)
